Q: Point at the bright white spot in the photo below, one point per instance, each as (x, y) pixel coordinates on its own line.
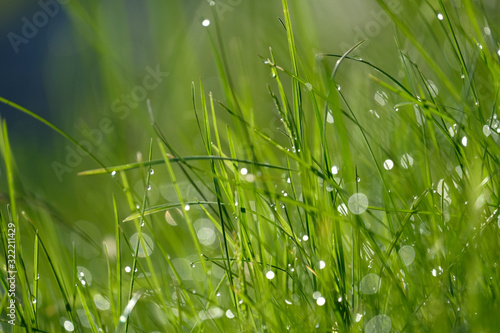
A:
(205, 23)
(379, 324)
(406, 161)
(123, 319)
(329, 117)
(305, 238)
(358, 317)
(498, 52)
(321, 301)
(244, 171)
(358, 203)
(309, 86)
(152, 172)
(112, 174)
(464, 141)
(146, 246)
(486, 130)
(322, 264)
(288, 302)
(370, 284)
(440, 17)
(270, 275)
(388, 164)
(335, 170)
(84, 275)
(229, 314)
(68, 326)
(434, 272)
(407, 254)
(128, 269)
(316, 294)
(186, 208)
(342, 209)
(381, 98)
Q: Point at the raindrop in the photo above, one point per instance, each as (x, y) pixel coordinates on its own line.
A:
(147, 242)
(329, 117)
(381, 98)
(379, 324)
(440, 17)
(212, 3)
(128, 269)
(498, 52)
(205, 23)
(407, 254)
(229, 314)
(434, 272)
(305, 238)
(68, 326)
(309, 86)
(370, 284)
(335, 170)
(321, 301)
(358, 203)
(323, 265)
(243, 171)
(406, 161)
(270, 275)
(288, 302)
(152, 172)
(388, 164)
(84, 275)
(112, 174)
(464, 141)
(186, 208)
(486, 130)
(487, 31)
(342, 209)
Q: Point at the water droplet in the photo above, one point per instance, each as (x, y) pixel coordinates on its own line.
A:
(370, 284)
(487, 31)
(329, 117)
(388, 164)
(498, 52)
(342, 209)
(322, 264)
(68, 326)
(407, 254)
(84, 275)
(112, 174)
(212, 3)
(270, 275)
(464, 141)
(335, 170)
(243, 171)
(205, 23)
(146, 246)
(338, 87)
(358, 203)
(186, 208)
(321, 301)
(434, 272)
(406, 161)
(305, 238)
(440, 17)
(152, 172)
(381, 98)
(123, 319)
(309, 86)
(128, 269)
(229, 314)
(288, 302)
(316, 294)
(486, 130)
(379, 324)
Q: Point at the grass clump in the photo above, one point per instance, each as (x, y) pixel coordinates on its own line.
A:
(378, 219)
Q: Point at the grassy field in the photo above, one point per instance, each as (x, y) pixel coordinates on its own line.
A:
(266, 178)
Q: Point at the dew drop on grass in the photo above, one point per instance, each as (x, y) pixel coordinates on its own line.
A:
(128, 269)
(212, 3)
(112, 174)
(329, 117)
(379, 324)
(464, 141)
(388, 164)
(407, 254)
(205, 23)
(358, 317)
(309, 86)
(321, 301)
(68, 326)
(358, 203)
(370, 284)
(187, 207)
(440, 17)
(316, 294)
(335, 170)
(342, 209)
(84, 275)
(147, 243)
(486, 130)
(498, 52)
(381, 98)
(322, 264)
(406, 161)
(229, 314)
(270, 275)
(487, 31)
(244, 171)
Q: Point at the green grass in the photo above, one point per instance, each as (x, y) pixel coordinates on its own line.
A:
(271, 233)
